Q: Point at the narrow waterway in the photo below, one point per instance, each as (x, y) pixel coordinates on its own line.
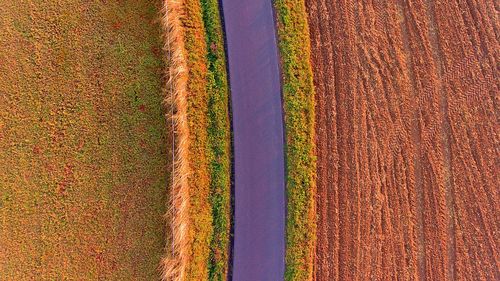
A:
(259, 230)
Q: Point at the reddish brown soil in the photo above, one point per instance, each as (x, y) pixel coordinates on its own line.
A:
(407, 139)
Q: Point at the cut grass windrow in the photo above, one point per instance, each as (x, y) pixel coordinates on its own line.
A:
(298, 98)
(201, 189)
(176, 262)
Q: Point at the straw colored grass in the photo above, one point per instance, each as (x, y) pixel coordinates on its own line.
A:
(174, 265)
(197, 90)
(191, 218)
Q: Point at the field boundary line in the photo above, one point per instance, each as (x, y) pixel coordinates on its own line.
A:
(174, 264)
(298, 94)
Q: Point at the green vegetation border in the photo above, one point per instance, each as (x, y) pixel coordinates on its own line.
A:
(299, 108)
(219, 140)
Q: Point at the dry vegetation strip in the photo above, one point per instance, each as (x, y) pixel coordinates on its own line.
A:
(203, 154)
(298, 97)
(83, 140)
(178, 248)
(192, 211)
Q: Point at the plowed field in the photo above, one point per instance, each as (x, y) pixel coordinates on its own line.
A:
(407, 139)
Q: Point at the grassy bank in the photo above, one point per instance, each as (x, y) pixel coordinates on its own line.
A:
(219, 138)
(192, 217)
(298, 95)
(203, 252)
(83, 141)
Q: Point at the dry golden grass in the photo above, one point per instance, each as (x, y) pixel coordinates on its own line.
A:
(192, 220)
(174, 265)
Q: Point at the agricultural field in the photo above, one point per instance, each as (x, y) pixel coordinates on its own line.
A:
(407, 139)
(116, 145)
(84, 140)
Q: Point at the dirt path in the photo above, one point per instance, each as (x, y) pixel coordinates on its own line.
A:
(407, 139)
(259, 238)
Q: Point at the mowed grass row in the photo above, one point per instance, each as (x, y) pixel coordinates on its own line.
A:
(84, 142)
(298, 96)
(208, 141)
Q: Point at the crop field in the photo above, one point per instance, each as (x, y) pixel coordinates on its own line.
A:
(84, 162)
(407, 139)
(116, 143)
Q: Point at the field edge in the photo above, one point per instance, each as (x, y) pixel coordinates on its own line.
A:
(299, 111)
(202, 184)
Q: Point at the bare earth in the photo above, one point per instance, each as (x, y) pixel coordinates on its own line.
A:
(407, 139)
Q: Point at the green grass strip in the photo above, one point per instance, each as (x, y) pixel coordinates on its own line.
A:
(298, 95)
(219, 141)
